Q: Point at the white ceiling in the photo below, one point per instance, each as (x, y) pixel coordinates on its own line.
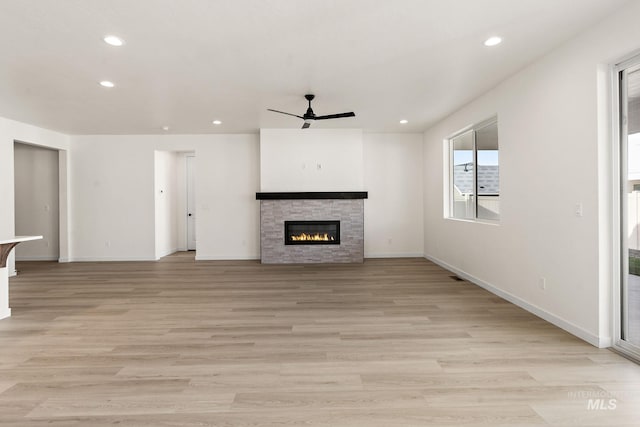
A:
(187, 62)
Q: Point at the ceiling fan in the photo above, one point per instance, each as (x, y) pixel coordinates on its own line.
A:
(310, 115)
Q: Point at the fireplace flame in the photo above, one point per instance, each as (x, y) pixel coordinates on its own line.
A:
(324, 237)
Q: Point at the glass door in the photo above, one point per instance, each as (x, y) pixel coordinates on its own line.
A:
(629, 106)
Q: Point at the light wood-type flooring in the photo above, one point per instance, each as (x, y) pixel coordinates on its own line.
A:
(393, 342)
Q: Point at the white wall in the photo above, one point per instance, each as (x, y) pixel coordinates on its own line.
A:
(393, 212)
(555, 152)
(11, 131)
(388, 166)
(166, 203)
(114, 203)
(227, 212)
(311, 160)
(36, 201)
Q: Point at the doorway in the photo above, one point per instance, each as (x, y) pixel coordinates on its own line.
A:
(37, 201)
(628, 317)
(175, 219)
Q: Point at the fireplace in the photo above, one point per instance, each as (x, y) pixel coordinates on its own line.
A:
(308, 213)
(312, 232)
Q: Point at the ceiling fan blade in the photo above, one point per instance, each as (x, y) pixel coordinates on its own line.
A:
(288, 114)
(335, 116)
(306, 124)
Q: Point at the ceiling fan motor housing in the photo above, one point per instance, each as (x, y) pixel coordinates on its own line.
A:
(309, 115)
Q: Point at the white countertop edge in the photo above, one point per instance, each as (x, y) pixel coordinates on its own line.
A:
(18, 239)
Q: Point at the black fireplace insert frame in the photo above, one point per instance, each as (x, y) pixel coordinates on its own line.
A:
(288, 224)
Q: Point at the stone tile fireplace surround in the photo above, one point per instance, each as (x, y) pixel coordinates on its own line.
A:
(346, 207)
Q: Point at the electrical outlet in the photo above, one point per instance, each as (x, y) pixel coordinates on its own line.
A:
(542, 284)
(578, 210)
(107, 244)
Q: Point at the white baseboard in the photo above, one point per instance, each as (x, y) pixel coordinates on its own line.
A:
(600, 342)
(394, 255)
(170, 252)
(37, 258)
(605, 342)
(109, 259)
(4, 313)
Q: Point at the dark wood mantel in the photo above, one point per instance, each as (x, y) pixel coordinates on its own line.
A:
(313, 195)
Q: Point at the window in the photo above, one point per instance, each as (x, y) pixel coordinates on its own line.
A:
(475, 191)
(627, 309)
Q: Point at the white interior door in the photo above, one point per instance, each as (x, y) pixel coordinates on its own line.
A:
(191, 203)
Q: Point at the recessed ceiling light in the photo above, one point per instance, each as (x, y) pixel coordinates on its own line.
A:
(106, 83)
(492, 41)
(165, 128)
(113, 40)
(404, 121)
(217, 122)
